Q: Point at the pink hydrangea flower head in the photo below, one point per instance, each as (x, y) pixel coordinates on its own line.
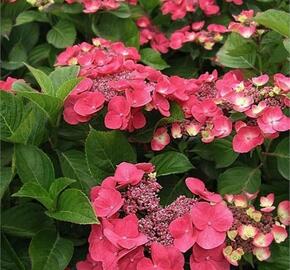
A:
(209, 7)
(127, 173)
(168, 258)
(247, 138)
(197, 187)
(208, 259)
(89, 264)
(222, 126)
(283, 211)
(211, 222)
(160, 139)
(123, 233)
(183, 232)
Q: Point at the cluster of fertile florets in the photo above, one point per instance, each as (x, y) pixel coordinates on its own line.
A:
(208, 110)
(92, 6)
(137, 233)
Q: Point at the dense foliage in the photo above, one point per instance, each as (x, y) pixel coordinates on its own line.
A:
(112, 111)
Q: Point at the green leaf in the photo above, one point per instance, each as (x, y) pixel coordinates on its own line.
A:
(67, 87)
(171, 163)
(9, 258)
(62, 35)
(11, 113)
(59, 185)
(239, 179)
(126, 31)
(20, 86)
(73, 206)
(6, 26)
(149, 4)
(276, 20)
(283, 158)
(30, 16)
(49, 105)
(223, 153)
(153, 59)
(176, 115)
(6, 177)
(39, 54)
(49, 251)
(62, 74)
(105, 150)
(32, 129)
(43, 80)
(286, 44)
(35, 191)
(25, 220)
(122, 12)
(33, 165)
(16, 57)
(73, 165)
(237, 52)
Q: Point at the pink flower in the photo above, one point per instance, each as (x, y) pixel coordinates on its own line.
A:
(261, 80)
(160, 139)
(279, 233)
(204, 109)
(138, 94)
(128, 174)
(137, 120)
(262, 253)
(209, 7)
(161, 103)
(256, 110)
(208, 259)
(176, 131)
(183, 233)
(282, 81)
(247, 138)
(100, 248)
(273, 120)
(89, 264)
(263, 240)
(267, 203)
(6, 85)
(107, 202)
(211, 222)
(176, 40)
(123, 233)
(283, 211)
(117, 116)
(89, 103)
(130, 260)
(222, 126)
(236, 2)
(197, 187)
(163, 258)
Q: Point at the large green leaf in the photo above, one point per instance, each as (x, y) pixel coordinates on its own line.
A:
(49, 105)
(11, 113)
(32, 129)
(62, 35)
(105, 150)
(73, 165)
(58, 186)
(276, 20)
(9, 258)
(25, 220)
(33, 165)
(30, 16)
(171, 163)
(64, 90)
(43, 80)
(16, 57)
(126, 31)
(153, 59)
(35, 191)
(239, 179)
(39, 54)
(283, 158)
(122, 12)
(73, 206)
(6, 176)
(62, 74)
(237, 52)
(49, 251)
